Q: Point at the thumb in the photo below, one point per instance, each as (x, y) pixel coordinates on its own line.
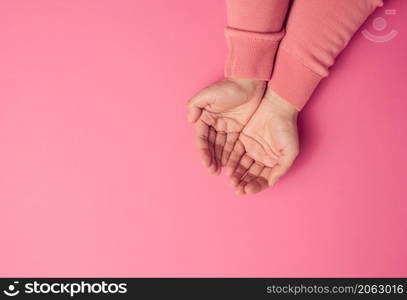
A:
(193, 113)
(275, 174)
(281, 169)
(196, 104)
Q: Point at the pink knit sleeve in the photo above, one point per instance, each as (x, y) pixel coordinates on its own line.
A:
(317, 31)
(255, 28)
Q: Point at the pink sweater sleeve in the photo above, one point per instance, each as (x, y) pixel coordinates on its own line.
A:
(255, 28)
(317, 31)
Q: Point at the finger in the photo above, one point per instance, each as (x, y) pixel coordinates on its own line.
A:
(284, 164)
(252, 173)
(202, 142)
(231, 139)
(234, 158)
(245, 163)
(211, 139)
(219, 144)
(259, 183)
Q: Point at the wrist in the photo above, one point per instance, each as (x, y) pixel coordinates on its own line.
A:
(250, 85)
(280, 106)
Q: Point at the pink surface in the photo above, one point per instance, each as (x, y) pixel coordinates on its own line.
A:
(99, 175)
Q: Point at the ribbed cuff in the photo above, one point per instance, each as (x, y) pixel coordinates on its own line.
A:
(251, 54)
(378, 3)
(292, 80)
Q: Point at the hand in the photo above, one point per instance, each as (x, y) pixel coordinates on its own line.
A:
(266, 148)
(220, 112)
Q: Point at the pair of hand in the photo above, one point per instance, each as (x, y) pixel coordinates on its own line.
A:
(249, 131)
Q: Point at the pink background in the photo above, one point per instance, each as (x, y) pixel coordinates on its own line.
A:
(99, 175)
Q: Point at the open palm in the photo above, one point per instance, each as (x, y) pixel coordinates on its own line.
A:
(220, 113)
(266, 148)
